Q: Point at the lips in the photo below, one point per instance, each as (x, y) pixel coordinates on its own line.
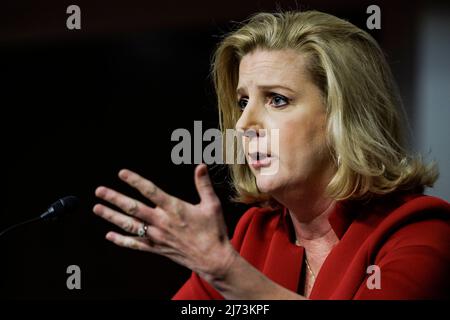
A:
(259, 159)
(258, 156)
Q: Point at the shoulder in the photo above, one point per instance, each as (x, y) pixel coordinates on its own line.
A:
(421, 203)
(417, 210)
(393, 212)
(420, 224)
(410, 244)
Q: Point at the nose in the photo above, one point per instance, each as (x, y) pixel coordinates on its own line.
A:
(250, 123)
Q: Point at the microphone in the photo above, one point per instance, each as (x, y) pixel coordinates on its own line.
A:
(56, 210)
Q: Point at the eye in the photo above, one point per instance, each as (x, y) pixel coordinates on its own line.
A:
(278, 100)
(242, 103)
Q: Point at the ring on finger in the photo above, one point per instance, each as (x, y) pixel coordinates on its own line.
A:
(142, 231)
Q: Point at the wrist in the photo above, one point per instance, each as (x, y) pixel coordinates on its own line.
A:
(219, 275)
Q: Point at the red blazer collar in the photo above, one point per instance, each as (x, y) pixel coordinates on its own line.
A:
(341, 218)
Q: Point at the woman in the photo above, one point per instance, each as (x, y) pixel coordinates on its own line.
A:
(342, 217)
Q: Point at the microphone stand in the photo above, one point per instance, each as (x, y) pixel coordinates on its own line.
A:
(59, 207)
(19, 225)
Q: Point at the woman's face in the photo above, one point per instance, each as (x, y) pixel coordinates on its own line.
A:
(276, 92)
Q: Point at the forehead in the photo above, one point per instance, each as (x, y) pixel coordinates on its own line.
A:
(285, 66)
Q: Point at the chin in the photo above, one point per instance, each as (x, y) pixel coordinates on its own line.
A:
(268, 183)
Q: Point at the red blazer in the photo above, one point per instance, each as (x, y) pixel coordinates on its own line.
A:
(406, 235)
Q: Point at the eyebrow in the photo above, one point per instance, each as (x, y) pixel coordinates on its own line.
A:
(267, 87)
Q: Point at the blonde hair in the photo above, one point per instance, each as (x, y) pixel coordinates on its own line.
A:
(364, 110)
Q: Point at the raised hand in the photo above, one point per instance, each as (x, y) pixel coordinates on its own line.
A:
(194, 236)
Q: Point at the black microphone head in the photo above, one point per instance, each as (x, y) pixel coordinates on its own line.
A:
(62, 206)
(70, 203)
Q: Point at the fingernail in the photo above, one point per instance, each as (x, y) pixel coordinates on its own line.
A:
(100, 191)
(123, 173)
(109, 236)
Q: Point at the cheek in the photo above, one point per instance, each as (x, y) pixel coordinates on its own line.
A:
(300, 139)
(294, 136)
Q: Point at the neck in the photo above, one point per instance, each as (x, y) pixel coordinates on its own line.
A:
(309, 215)
(312, 224)
(309, 208)
(315, 234)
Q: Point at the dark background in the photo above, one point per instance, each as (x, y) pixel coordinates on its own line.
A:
(77, 106)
